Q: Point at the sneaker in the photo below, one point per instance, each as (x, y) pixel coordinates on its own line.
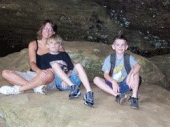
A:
(8, 90)
(134, 102)
(75, 92)
(121, 98)
(89, 98)
(41, 89)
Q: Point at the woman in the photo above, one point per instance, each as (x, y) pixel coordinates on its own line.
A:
(35, 78)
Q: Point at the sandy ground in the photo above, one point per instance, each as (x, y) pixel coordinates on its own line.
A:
(56, 110)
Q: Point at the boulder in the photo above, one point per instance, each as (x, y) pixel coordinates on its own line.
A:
(55, 109)
(91, 56)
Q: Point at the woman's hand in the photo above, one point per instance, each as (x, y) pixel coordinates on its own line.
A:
(45, 75)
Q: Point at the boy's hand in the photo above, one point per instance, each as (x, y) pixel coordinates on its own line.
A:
(116, 88)
(64, 85)
(130, 81)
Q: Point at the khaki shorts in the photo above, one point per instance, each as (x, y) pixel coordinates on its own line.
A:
(29, 75)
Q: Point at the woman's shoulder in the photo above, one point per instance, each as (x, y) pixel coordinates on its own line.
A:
(32, 44)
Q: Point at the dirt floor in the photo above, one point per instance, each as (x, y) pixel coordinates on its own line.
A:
(55, 109)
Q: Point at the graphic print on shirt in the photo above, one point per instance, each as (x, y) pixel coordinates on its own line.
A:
(118, 73)
(63, 65)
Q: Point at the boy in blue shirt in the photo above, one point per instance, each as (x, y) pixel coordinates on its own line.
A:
(67, 75)
(120, 82)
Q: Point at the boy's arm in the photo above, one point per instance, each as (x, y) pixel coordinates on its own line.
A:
(107, 77)
(130, 78)
(115, 86)
(135, 69)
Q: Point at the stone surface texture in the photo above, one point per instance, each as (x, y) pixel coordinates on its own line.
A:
(56, 110)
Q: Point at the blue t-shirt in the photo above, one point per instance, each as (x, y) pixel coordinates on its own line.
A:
(119, 72)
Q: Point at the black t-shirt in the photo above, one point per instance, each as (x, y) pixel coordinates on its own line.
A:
(63, 59)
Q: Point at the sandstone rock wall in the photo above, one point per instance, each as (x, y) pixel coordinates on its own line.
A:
(91, 56)
(55, 109)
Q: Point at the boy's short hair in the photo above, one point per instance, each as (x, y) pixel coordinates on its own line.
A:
(55, 38)
(120, 36)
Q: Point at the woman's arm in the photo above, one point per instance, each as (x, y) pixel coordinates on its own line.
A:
(62, 49)
(32, 56)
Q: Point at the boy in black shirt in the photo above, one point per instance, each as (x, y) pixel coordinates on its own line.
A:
(67, 75)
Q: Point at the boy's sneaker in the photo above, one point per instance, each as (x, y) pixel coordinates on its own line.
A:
(89, 98)
(134, 102)
(121, 98)
(41, 89)
(75, 92)
(8, 90)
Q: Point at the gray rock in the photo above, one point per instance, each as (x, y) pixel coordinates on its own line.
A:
(55, 109)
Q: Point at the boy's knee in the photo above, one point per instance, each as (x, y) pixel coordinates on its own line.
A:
(78, 65)
(96, 79)
(54, 64)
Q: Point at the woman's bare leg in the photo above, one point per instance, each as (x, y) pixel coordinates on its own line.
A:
(15, 79)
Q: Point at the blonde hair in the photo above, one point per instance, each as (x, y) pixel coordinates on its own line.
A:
(55, 38)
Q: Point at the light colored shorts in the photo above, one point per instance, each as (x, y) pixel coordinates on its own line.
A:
(74, 79)
(29, 75)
